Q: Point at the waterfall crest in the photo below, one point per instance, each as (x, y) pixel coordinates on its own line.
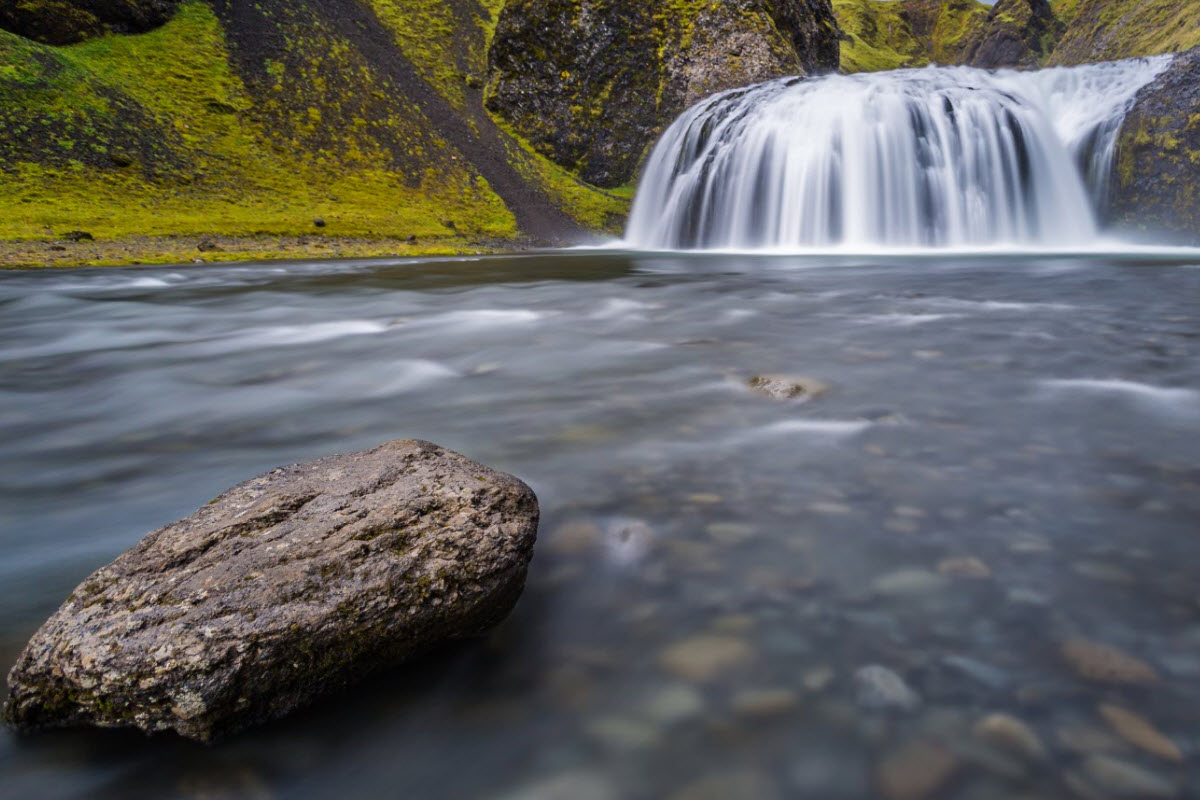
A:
(914, 158)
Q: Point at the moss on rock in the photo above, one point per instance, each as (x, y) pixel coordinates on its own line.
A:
(590, 83)
(1157, 182)
(69, 21)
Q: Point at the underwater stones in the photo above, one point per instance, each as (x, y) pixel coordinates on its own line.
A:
(916, 771)
(296, 582)
(908, 583)
(967, 567)
(878, 687)
(1010, 735)
(702, 658)
(1101, 663)
(1140, 732)
(787, 387)
(1122, 779)
(1156, 185)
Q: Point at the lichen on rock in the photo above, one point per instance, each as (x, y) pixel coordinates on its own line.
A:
(286, 587)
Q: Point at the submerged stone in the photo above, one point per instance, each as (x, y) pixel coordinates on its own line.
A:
(290, 585)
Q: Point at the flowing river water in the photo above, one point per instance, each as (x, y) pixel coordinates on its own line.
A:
(1006, 461)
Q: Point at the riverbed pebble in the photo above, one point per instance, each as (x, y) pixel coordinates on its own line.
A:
(1011, 735)
(704, 657)
(1140, 732)
(916, 771)
(1125, 779)
(1103, 663)
(878, 687)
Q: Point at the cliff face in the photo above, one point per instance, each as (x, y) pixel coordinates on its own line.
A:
(590, 83)
(1157, 181)
(1018, 33)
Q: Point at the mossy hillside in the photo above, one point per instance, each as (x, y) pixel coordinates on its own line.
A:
(890, 34)
(880, 37)
(1105, 30)
(154, 134)
(186, 131)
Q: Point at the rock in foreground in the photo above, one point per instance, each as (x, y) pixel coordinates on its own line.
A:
(288, 586)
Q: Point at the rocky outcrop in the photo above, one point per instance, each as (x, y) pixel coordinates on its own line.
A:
(281, 589)
(590, 83)
(70, 21)
(1157, 182)
(1018, 33)
(889, 34)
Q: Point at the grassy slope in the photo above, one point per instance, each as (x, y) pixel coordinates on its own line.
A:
(129, 136)
(1096, 30)
(883, 36)
(1104, 30)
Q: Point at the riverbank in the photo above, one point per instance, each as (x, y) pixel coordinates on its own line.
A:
(137, 250)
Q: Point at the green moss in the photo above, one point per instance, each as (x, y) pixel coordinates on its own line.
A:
(891, 34)
(212, 165)
(1105, 30)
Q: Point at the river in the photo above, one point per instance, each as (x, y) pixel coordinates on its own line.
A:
(1006, 459)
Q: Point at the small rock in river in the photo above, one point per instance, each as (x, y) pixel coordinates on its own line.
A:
(880, 687)
(573, 785)
(1010, 735)
(727, 786)
(287, 586)
(702, 658)
(916, 771)
(1123, 779)
(906, 582)
(1140, 732)
(764, 702)
(673, 704)
(964, 567)
(624, 734)
(574, 538)
(818, 679)
(1104, 664)
(784, 387)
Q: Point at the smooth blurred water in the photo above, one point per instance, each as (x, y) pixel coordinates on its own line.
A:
(1041, 415)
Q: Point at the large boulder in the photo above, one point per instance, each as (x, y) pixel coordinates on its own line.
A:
(1156, 186)
(1018, 33)
(591, 83)
(290, 585)
(70, 21)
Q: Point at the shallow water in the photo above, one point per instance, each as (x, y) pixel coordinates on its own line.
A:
(1039, 415)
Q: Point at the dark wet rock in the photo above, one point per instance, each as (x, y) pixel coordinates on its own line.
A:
(1018, 33)
(1011, 735)
(69, 21)
(78, 236)
(1156, 187)
(208, 246)
(591, 84)
(318, 222)
(283, 588)
(917, 770)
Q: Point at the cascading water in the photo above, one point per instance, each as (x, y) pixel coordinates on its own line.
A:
(913, 158)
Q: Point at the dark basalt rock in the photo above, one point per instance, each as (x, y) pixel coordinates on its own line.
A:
(290, 585)
(591, 83)
(1018, 33)
(71, 21)
(1156, 187)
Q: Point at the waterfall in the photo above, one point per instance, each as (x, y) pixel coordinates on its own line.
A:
(941, 156)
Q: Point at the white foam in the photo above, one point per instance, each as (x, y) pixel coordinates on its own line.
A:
(1173, 397)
